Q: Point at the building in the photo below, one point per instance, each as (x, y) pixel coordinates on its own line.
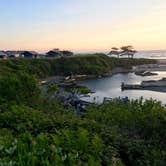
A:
(67, 53)
(29, 54)
(13, 54)
(3, 55)
(53, 53)
(58, 53)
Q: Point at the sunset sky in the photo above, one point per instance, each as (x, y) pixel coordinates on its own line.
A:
(82, 25)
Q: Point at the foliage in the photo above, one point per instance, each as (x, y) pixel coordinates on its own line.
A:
(37, 131)
(52, 89)
(125, 50)
(79, 88)
(96, 64)
(21, 88)
(128, 50)
(109, 134)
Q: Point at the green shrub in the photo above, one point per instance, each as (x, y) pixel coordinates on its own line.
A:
(21, 88)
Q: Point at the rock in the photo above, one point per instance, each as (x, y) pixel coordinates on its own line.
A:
(145, 73)
(153, 85)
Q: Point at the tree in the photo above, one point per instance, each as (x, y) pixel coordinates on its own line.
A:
(20, 87)
(114, 51)
(128, 50)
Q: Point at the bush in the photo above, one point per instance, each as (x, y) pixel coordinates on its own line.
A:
(21, 88)
(37, 131)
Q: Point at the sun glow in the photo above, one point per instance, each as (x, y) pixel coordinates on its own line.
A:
(90, 26)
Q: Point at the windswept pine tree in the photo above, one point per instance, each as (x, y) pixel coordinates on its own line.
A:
(123, 51)
(128, 51)
(114, 51)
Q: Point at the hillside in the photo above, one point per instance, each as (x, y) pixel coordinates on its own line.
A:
(84, 64)
(36, 129)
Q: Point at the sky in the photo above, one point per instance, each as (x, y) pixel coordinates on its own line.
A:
(82, 25)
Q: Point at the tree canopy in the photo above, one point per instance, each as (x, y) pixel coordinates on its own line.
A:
(123, 51)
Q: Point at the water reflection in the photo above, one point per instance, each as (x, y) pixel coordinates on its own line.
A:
(111, 87)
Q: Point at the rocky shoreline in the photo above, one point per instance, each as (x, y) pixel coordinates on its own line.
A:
(160, 65)
(142, 70)
(152, 85)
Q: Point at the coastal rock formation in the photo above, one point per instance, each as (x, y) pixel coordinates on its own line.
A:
(145, 73)
(153, 85)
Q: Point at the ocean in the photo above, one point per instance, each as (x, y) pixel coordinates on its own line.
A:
(155, 54)
(152, 54)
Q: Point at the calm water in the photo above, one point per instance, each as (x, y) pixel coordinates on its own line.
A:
(111, 87)
(160, 54)
(154, 54)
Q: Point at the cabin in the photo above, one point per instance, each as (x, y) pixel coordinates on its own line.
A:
(53, 53)
(67, 53)
(29, 54)
(3, 55)
(13, 54)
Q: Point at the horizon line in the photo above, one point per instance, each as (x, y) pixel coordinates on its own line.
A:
(80, 51)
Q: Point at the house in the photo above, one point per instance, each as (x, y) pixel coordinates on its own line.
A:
(13, 54)
(67, 53)
(3, 55)
(58, 53)
(41, 56)
(29, 54)
(53, 53)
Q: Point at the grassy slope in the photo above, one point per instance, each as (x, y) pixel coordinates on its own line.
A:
(88, 64)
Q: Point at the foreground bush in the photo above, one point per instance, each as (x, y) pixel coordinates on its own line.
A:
(109, 134)
(19, 88)
(37, 131)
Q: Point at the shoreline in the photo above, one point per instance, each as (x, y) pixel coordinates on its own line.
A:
(64, 82)
(160, 65)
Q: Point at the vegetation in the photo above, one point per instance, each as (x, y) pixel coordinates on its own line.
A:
(20, 88)
(125, 51)
(79, 88)
(114, 51)
(37, 131)
(96, 64)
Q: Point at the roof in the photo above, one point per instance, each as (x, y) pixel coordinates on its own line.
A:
(10, 53)
(54, 51)
(18, 51)
(2, 53)
(31, 52)
(66, 52)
